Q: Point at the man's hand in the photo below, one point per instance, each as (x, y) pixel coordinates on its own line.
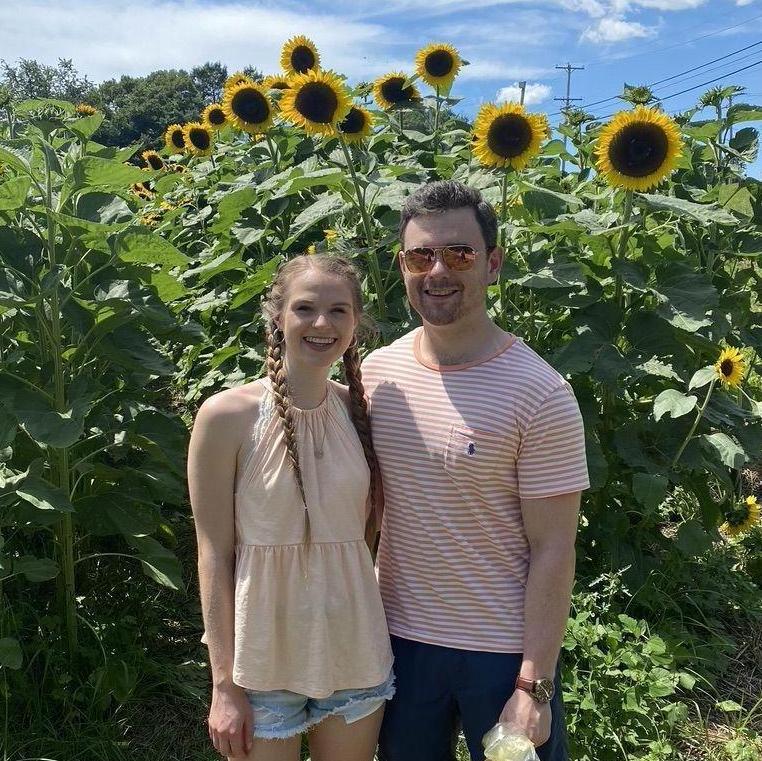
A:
(231, 721)
(529, 716)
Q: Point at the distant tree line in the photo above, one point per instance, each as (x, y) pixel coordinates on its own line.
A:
(137, 109)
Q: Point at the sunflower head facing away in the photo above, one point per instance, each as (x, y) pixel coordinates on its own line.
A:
(174, 139)
(198, 139)
(316, 101)
(507, 136)
(742, 517)
(247, 106)
(438, 64)
(639, 148)
(85, 109)
(388, 91)
(276, 82)
(730, 367)
(299, 55)
(213, 116)
(153, 160)
(357, 125)
(238, 78)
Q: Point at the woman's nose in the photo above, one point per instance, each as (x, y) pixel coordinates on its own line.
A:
(321, 321)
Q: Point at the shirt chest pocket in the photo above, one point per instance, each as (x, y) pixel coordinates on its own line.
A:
(473, 457)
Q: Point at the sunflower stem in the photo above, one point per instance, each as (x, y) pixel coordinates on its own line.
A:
(372, 257)
(436, 124)
(503, 213)
(699, 415)
(623, 238)
(273, 152)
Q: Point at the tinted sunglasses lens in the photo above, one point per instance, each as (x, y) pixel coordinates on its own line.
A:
(459, 258)
(419, 259)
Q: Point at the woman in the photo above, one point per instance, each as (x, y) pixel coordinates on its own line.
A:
(280, 472)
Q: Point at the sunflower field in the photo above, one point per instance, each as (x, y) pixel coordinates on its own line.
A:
(129, 292)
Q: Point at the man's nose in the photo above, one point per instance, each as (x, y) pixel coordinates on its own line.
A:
(439, 267)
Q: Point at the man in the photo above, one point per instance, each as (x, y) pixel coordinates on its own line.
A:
(481, 448)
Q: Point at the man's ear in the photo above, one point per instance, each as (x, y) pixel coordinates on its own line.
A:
(494, 263)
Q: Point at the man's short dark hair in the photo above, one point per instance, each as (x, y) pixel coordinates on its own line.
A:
(443, 195)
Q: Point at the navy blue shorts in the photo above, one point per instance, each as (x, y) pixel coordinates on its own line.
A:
(441, 690)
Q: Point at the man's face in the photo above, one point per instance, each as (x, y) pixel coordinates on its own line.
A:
(443, 296)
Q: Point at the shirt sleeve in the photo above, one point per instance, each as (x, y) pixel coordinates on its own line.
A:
(551, 457)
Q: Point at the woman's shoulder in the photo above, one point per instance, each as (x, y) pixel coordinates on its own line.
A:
(232, 410)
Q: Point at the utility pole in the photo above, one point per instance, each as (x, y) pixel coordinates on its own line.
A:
(567, 101)
(523, 88)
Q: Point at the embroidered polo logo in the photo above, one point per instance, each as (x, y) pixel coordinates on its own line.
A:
(471, 448)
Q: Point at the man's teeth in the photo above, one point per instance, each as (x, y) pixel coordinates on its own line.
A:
(315, 340)
(441, 291)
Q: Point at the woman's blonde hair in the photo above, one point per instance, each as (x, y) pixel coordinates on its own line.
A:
(272, 308)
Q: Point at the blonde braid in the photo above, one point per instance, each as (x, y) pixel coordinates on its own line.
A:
(277, 375)
(359, 412)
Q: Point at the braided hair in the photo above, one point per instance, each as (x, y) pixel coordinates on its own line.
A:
(272, 307)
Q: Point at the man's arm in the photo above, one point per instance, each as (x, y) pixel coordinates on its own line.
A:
(551, 527)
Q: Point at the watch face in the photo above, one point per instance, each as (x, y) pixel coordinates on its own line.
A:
(544, 690)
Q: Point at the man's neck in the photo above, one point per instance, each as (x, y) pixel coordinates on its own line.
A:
(461, 344)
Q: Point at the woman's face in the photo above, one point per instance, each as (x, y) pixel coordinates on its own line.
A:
(318, 319)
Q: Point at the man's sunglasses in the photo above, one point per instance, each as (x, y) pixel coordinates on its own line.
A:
(456, 257)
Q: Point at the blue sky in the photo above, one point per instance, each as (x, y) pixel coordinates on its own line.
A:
(506, 41)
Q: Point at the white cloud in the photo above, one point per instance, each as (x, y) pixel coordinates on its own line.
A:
(744, 2)
(481, 70)
(591, 7)
(535, 92)
(670, 5)
(615, 30)
(139, 36)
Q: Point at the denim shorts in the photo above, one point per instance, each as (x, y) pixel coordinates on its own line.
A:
(279, 713)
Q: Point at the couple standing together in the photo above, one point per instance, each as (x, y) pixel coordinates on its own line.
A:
(459, 443)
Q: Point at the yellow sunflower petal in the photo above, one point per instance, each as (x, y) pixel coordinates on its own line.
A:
(507, 136)
(213, 116)
(357, 125)
(743, 517)
(299, 55)
(173, 138)
(247, 106)
(730, 367)
(153, 160)
(276, 82)
(316, 101)
(198, 139)
(637, 149)
(238, 78)
(388, 92)
(438, 64)
(85, 109)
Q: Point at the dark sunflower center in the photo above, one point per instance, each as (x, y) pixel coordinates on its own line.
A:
(638, 150)
(354, 122)
(177, 139)
(200, 139)
(317, 102)
(727, 367)
(392, 90)
(155, 162)
(439, 63)
(217, 116)
(250, 106)
(509, 135)
(302, 59)
(282, 85)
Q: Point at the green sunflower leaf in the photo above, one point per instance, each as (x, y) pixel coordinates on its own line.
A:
(674, 403)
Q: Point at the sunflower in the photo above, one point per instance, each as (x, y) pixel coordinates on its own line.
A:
(247, 107)
(316, 101)
(639, 148)
(142, 190)
(311, 249)
(357, 125)
(198, 139)
(299, 55)
(85, 109)
(239, 78)
(742, 517)
(213, 116)
(173, 138)
(507, 136)
(153, 160)
(276, 82)
(730, 367)
(388, 91)
(438, 65)
(330, 235)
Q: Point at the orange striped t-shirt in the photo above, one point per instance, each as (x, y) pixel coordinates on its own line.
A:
(459, 446)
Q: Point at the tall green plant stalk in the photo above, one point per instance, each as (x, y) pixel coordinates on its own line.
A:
(59, 464)
(375, 269)
(274, 156)
(436, 123)
(699, 415)
(623, 238)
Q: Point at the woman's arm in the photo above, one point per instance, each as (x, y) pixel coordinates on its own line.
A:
(217, 434)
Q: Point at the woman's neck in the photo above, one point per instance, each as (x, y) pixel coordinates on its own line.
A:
(307, 386)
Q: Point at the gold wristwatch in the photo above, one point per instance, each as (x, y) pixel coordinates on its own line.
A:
(541, 690)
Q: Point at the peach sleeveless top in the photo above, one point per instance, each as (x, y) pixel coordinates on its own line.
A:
(308, 617)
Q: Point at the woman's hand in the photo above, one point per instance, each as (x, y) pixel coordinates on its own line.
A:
(231, 721)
